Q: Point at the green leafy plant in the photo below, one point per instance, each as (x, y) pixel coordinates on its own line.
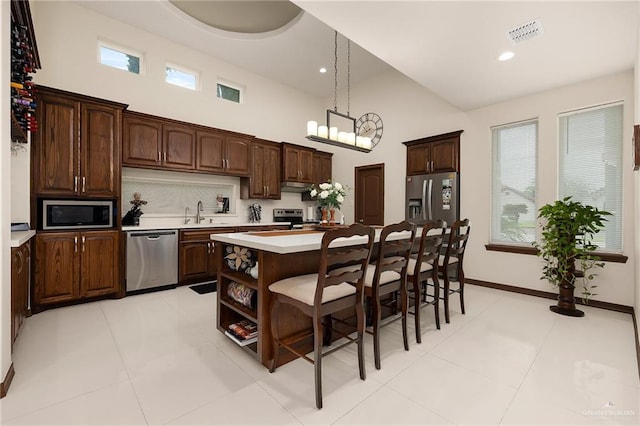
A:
(568, 228)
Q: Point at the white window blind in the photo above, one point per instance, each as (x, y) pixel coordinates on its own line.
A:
(514, 183)
(591, 165)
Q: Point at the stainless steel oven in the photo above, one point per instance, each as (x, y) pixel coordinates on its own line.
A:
(293, 216)
(75, 214)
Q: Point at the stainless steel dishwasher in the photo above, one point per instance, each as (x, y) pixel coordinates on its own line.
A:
(152, 259)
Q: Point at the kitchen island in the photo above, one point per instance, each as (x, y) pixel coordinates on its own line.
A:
(279, 255)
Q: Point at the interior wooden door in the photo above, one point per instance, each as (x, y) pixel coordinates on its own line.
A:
(369, 208)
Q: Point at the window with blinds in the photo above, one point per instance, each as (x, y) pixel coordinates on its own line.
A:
(591, 165)
(514, 212)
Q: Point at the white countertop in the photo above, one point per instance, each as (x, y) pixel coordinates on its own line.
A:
(159, 226)
(285, 244)
(20, 237)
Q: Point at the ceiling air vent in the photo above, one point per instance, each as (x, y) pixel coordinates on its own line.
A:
(525, 32)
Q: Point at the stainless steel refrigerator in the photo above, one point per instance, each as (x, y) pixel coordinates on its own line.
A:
(432, 197)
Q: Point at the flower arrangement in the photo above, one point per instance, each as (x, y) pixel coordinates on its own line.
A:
(133, 215)
(329, 194)
(136, 203)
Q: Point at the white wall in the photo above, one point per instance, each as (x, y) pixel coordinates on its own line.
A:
(5, 193)
(636, 185)
(410, 111)
(615, 281)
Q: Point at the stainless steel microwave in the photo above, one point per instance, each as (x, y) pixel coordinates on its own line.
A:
(76, 214)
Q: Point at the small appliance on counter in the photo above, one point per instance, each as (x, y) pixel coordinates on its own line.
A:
(294, 216)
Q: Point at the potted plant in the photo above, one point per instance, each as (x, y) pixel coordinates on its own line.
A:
(567, 247)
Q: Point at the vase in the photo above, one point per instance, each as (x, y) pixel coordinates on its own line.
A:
(324, 215)
(332, 216)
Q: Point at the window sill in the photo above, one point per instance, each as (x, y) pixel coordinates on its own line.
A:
(605, 257)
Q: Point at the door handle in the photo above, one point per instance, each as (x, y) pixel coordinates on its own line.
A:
(424, 200)
(75, 184)
(75, 244)
(84, 183)
(164, 156)
(83, 241)
(430, 199)
(159, 156)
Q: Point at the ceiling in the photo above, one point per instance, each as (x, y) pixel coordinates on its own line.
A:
(450, 48)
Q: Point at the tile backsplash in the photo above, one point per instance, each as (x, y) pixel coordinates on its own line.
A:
(168, 193)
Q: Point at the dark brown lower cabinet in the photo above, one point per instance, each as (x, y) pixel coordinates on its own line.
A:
(20, 275)
(197, 260)
(72, 266)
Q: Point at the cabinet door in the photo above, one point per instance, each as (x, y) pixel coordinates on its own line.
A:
(305, 159)
(210, 152)
(197, 255)
(445, 155)
(99, 263)
(418, 158)
(56, 156)
(100, 151)
(237, 155)
(57, 268)
(19, 287)
(142, 142)
(290, 164)
(271, 174)
(257, 180)
(322, 167)
(194, 261)
(179, 144)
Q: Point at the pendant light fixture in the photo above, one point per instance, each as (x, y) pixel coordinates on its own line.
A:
(362, 134)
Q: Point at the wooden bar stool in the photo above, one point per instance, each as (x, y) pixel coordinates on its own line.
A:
(389, 275)
(338, 285)
(422, 268)
(452, 262)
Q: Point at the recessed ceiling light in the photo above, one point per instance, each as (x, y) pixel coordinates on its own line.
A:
(323, 70)
(505, 56)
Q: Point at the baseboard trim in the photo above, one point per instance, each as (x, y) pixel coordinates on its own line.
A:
(548, 295)
(635, 329)
(4, 386)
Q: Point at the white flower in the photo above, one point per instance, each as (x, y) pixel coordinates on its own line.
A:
(338, 186)
(325, 186)
(340, 198)
(323, 194)
(313, 193)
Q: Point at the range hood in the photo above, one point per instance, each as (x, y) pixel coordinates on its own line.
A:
(294, 187)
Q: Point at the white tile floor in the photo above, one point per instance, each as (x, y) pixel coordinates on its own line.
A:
(157, 359)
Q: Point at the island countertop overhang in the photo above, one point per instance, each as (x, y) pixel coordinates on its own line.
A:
(292, 242)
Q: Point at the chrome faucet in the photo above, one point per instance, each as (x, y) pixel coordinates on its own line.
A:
(186, 212)
(199, 208)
